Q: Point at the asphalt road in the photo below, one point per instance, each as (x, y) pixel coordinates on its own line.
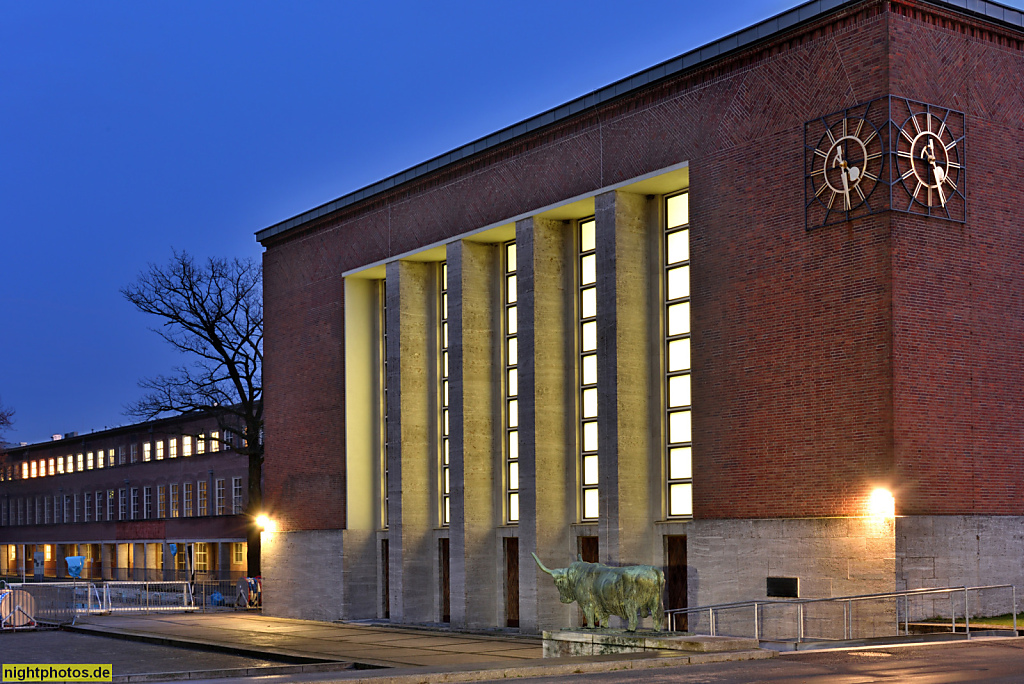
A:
(127, 657)
(976, 661)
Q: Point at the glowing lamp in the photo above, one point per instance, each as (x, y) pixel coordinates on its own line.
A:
(881, 504)
(264, 522)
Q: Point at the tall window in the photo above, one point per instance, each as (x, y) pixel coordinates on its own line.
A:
(122, 503)
(511, 330)
(201, 444)
(236, 495)
(172, 448)
(80, 460)
(111, 499)
(220, 496)
(135, 503)
(175, 508)
(161, 501)
(678, 401)
(186, 445)
(147, 502)
(99, 505)
(188, 499)
(78, 508)
(88, 506)
(202, 498)
(146, 451)
(383, 351)
(202, 557)
(588, 368)
(160, 450)
(445, 474)
(214, 441)
(88, 460)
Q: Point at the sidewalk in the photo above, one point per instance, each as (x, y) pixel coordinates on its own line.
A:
(342, 651)
(304, 641)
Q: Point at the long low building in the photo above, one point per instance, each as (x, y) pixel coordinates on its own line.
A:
(753, 315)
(121, 497)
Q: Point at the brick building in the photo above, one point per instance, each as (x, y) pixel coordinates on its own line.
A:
(692, 319)
(120, 496)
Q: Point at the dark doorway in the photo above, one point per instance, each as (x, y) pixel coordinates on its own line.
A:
(511, 581)
(588, 550)
(444, 556)
(675, 577)
(385, 579)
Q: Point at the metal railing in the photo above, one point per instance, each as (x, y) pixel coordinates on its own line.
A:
(61, 603)
(146, 597)
(862, 615)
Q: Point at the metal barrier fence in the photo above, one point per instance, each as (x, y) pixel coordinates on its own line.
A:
(58, 603)
(847, 617)
(146, 597)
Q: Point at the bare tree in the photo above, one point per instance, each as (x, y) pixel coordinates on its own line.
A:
(213, 313)
(6, 421)
(6, 418)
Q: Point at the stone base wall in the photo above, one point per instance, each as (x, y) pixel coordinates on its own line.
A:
(302, 575)
(960, 550)
(730, 561)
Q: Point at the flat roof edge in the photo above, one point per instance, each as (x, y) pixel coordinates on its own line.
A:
(801, 14)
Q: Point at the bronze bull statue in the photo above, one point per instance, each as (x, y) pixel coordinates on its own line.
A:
(602, 590)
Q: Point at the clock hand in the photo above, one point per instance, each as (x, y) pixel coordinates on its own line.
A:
(940, 176)
(846, 187)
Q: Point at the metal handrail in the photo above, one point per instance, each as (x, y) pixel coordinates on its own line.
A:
(848, 601)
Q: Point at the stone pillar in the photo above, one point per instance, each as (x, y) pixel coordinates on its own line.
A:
(223, 560)
(475, 437)
(108, 554)
(624, 288)
(363, 448)
(546, 434)
(412, 438)
(60, 554)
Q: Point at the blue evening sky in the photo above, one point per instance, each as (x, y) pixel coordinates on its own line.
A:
(131, 128)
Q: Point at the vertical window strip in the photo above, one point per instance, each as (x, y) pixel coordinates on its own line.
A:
(445, 474)
(511, 355)
(383, 351)
(677, 388)
(587, 330)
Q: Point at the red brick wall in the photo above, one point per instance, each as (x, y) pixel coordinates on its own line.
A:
(958, 290)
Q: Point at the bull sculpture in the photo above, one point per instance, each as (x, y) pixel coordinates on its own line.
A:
(631, 592)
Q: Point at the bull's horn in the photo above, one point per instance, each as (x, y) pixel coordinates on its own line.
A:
(541, 564)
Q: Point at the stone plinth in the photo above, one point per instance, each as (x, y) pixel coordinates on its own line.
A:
(606, 641)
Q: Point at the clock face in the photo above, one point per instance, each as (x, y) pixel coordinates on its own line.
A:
(844, 160)
(929, 160)
(848, 162)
